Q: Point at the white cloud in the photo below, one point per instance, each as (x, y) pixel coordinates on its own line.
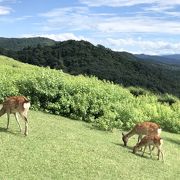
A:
(114, 3)
(11, 1)
(144, 46)
(167, 11)
(99, 26)
(80, 18)
(58, 37)
(76, 18)
(61, 11)
(139, 24)
(22, 18)
(10, 20)
(153, 6)
(5, 10)
(120, 3)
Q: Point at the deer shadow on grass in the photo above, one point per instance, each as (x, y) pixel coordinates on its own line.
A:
(145, 156)
(139, 153)
(122, 145)
(5, 130)
(174, 141)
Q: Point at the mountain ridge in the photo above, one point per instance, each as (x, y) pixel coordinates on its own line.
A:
(82, 57)
(16, 44)
(173, 59)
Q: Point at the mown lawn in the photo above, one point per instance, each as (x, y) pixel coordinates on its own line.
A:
(59, 148)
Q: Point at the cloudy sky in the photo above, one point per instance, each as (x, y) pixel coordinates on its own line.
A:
(137, 26)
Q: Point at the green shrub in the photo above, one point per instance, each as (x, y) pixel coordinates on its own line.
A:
(102, 103)
(169, 99)
(135, 91)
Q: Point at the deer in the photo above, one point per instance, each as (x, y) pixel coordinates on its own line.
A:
(144, 128)
(15, 105)
(148, 140)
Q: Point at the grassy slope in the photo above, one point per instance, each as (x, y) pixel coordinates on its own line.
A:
(59, 148)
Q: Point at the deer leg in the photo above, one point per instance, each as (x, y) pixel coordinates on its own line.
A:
(150, 150)
(139, 139)
(144, 150)
(153, 148)
(162, 155)
(158, 153)
(8, 117)
(24, 117)
(26, 126)
(16, 117)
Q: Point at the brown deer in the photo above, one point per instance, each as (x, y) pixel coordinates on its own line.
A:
(14, 105)
(144, 128)
(149, 140)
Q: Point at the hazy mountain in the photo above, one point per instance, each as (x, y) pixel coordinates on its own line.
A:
(173, 57)
(168, 59)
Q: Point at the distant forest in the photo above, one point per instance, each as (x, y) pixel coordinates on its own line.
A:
(16, 44)
(81, 57)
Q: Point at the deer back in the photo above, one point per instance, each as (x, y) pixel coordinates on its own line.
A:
(147, 128)
(16, 104)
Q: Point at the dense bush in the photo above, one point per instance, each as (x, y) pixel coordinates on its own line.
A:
(166, 98)
(102, 103)
(137, 91)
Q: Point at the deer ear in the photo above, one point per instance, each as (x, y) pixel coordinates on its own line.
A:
(122, 134)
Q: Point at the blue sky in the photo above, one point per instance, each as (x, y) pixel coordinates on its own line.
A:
(137, 26)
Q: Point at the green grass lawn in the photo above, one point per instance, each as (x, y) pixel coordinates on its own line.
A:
(59, 148)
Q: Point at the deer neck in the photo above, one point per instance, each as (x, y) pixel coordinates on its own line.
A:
(129, 134)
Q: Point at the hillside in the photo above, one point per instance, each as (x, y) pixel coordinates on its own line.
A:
(81, 57)
(60, 148)
(102, 103)
(16, 44)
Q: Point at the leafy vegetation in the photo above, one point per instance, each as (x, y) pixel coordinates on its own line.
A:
(16, 44)
(166, 98)
(102, 103)
(137, 91)
(81, 57)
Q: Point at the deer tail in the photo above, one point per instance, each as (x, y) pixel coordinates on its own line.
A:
(159, 131)
(26, 105)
